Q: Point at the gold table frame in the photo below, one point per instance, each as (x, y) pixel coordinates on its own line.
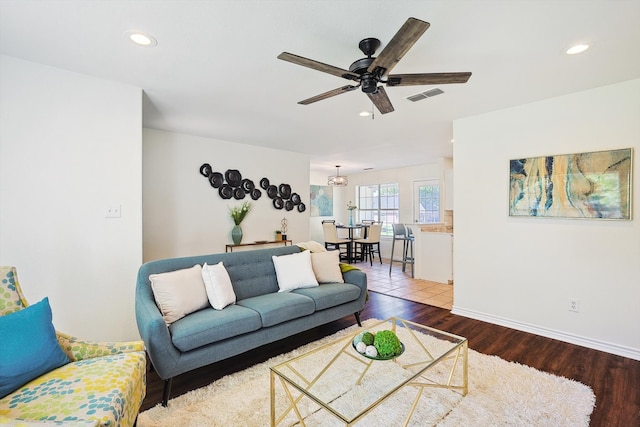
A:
(297, 386)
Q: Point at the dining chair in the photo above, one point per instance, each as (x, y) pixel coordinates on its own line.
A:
(363, 232)
(400, 234)
(371, 244)
(331, 240)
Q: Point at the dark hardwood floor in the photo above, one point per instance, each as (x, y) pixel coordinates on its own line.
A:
(615, 380)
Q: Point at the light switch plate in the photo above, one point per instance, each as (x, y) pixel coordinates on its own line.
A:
(112, 211)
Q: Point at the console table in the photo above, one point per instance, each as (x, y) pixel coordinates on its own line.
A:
(229, 248)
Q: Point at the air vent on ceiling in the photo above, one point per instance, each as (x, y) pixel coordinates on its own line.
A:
(424, 95)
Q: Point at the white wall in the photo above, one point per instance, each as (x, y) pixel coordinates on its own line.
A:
(404, 177)
(183, 213)
(521, 272)
(70, 145)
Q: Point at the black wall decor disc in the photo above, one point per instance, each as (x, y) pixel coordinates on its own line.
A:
(278, 203)
(233, 177)
(295, 198)
(288, 205)
(285, 191)
(302, 207)
(216, 179)
(264, 183)
(225, 191)
(205, 169)
(256, 194)
(238, 193)
(247, 185)
(272, 191)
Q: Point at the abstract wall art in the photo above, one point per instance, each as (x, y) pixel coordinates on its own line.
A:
(321, 200)
(584, 185)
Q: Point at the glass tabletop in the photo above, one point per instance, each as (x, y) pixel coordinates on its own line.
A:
(348, 384)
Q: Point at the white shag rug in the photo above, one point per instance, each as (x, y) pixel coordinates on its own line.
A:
(500, 393)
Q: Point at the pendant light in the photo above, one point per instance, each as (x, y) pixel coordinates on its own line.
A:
(337, 179)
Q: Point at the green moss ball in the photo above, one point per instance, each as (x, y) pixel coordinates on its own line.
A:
(387, 344)
(367, 338)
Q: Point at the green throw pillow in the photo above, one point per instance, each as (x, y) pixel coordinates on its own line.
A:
(347, 267)
(28, 346)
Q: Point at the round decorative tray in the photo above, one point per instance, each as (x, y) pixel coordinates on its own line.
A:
(353, 344)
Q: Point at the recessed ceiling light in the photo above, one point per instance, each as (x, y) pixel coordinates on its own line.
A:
(141, 38)
(579, 48)
(365, 113)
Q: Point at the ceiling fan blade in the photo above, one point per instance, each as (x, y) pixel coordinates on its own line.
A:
(427, 79)
(319, 66)
(381, 100)
(399, 45)
(334, 92)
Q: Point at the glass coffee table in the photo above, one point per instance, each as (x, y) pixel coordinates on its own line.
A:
(336, 379)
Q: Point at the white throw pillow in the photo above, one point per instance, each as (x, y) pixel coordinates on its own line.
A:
(218, 285)
(179, 292)
(326, 267)
(312, 246)
(294, 271)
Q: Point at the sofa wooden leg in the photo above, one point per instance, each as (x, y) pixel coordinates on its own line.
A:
(166, 392)
(358, 318)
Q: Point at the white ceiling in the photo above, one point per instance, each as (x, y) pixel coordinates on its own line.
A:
(214, 72)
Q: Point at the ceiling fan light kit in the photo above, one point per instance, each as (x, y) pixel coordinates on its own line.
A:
(337, 179)
(370, 71)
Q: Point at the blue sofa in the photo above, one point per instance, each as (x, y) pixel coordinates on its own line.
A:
(261, 315)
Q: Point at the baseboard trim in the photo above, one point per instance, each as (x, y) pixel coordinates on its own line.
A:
(620, 350)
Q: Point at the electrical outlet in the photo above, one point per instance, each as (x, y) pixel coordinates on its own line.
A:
(112, 211)
(574, 305)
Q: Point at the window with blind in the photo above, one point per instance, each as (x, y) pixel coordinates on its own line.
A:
(380, 203)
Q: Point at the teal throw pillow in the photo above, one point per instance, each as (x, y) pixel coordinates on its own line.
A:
(28, 346)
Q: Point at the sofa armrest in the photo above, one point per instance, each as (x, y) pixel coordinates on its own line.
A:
(357, 277)
(155, 333)
(77, 349)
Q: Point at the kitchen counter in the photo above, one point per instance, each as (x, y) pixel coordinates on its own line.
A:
(434, 253)
(436, 228)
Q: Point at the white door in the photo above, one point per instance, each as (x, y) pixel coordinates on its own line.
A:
(426, 201)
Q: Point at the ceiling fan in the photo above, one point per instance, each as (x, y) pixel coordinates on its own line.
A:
(370, 71)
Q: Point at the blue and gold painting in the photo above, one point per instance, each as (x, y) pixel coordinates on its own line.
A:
(584, 185)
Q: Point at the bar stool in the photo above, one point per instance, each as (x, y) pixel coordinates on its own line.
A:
(400, 234)
(410, 246)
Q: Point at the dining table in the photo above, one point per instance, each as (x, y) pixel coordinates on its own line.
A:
(351, 255)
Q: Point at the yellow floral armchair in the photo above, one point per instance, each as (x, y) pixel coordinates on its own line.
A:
(102, 385)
